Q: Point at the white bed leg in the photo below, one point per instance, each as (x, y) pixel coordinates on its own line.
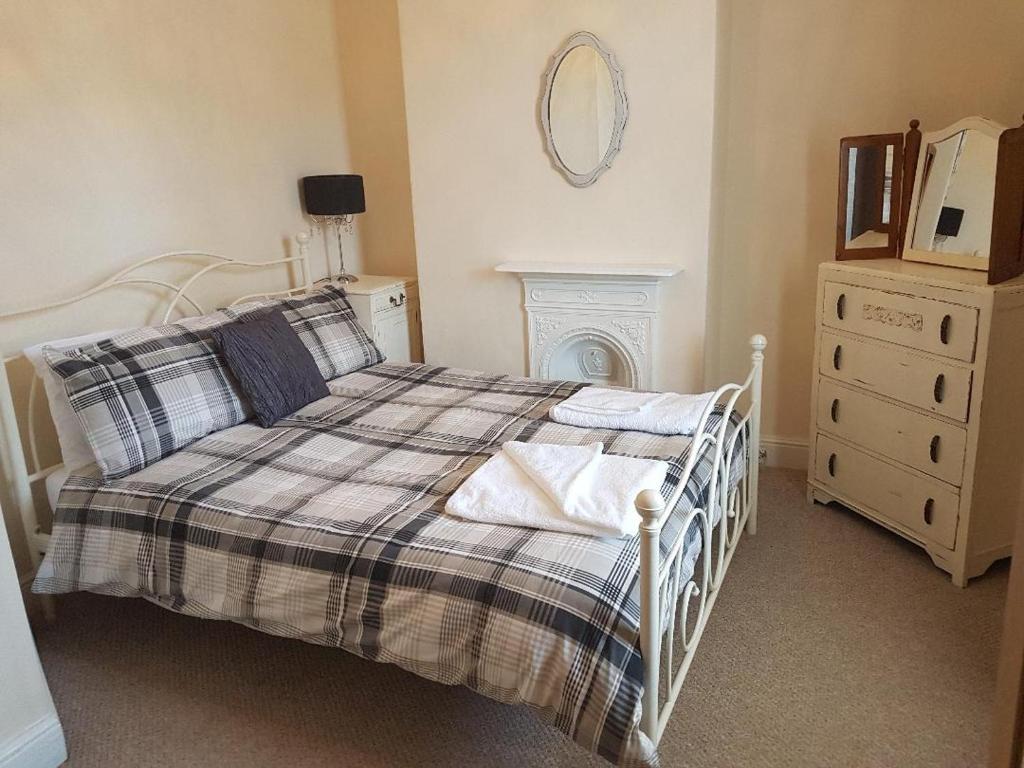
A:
(758, 343)
(650, 505)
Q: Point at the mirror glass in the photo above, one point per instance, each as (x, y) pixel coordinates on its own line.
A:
(582, 109)
(869, 190)
(954, 213)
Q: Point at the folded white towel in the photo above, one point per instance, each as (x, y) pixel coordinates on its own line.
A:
(663, 413)
(573, 489)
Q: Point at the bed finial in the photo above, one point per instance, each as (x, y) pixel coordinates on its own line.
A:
(758, 342)
(302, 238)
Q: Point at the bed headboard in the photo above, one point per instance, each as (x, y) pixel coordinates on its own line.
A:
(20, 461)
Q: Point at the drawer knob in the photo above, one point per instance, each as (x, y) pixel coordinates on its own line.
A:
(944, 329)
(929, 508)
(837, 356)
(940, 388)
(835, 411)
(832, 465)
(933, 450)
(841, 306)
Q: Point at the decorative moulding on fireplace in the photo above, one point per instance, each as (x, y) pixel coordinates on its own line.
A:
(592, 322)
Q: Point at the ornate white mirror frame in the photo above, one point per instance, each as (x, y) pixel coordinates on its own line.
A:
(621, 108)
(964, 261)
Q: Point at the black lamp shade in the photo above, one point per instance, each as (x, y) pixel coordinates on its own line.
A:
(333, 195)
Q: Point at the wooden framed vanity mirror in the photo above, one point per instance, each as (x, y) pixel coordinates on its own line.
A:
(949, 221)
(870, 176)
(966, 207)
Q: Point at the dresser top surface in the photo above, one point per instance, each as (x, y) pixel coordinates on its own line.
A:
(929, 274)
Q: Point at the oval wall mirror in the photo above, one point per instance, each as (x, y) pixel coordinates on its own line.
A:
(584, 109)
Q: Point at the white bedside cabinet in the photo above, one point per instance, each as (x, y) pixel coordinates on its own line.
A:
(388, 308)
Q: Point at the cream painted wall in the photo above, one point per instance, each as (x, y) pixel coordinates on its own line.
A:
(791, 83)
(130, 128)
(371, 77)
(484, 190)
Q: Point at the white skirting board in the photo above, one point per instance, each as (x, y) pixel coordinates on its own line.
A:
(783, 452)
(41, 745)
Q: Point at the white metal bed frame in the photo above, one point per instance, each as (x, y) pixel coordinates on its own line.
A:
(666, 615)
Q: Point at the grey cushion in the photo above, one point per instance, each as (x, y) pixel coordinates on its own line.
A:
(273, 367)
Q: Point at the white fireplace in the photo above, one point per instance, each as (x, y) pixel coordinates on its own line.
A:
(592, 322)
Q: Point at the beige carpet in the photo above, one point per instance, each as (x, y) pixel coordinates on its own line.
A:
(833, 643)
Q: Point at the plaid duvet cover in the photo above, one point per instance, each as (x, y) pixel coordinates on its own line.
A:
(330, 527)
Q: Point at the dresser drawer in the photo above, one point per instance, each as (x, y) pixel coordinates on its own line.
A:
(398, 296)
(921, 381)
(922, 442)
(926, 324)
(926, 507)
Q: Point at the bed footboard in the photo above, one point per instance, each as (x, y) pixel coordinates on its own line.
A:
(673, 615)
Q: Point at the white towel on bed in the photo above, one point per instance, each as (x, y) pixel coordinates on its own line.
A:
(664, 413)
(573, 489)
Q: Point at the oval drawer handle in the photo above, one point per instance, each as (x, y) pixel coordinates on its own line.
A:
(832, 465)
(940, 388)
(944, 329)
(841, 306)
(837, 356)
(933, 450)
(929, 508)
(835, 411)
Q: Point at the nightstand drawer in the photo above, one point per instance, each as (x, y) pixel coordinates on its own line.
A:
(926, 324)
(921, 381)
(396, 296)
(922, 442)
(925, 507)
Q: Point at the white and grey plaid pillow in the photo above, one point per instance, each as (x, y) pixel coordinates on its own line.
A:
(148, 392)
(327, 325)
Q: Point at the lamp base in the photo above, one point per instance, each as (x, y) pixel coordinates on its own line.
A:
(341, 278)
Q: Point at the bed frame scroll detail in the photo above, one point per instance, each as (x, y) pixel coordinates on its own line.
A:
(667, 625)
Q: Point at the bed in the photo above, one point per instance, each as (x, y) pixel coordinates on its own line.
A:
(330, 527)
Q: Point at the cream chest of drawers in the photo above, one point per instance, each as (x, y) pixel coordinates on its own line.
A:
(388, 308)
(918, 405)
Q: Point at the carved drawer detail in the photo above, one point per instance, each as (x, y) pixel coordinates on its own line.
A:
(889, 316)
(929, 325)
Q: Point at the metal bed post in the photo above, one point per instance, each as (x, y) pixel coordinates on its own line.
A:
(662, 596)
(650, 505)
(758, 343)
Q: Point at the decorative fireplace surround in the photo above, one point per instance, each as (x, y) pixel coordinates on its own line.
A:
(592, 322)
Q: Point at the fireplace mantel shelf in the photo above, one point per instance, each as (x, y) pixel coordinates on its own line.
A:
(655, 270)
